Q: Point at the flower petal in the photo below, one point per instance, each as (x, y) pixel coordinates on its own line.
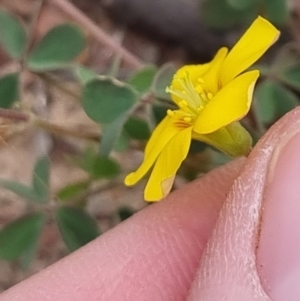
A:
(211, 76)
(167, 164)
(251, 46)
(158, 140)
(194, 72)
(229, 104)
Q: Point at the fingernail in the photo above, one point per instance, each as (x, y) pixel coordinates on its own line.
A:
(278, 252)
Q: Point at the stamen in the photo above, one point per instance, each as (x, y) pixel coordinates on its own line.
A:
(183, 103)
(189, 97)
(170, 113)
(191, 89)
(199, 89)
(182, 95)
(187, 119)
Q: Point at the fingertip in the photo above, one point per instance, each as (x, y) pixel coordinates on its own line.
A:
(229, 268)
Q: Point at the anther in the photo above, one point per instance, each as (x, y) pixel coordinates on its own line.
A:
(183, 103)
(209, 95)
(187, 119)
(170, 113)
(200, 80)
(199, 89)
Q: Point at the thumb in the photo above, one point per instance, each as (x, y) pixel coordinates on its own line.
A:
(253, 253)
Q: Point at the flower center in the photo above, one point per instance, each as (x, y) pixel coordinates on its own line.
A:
(190, 98)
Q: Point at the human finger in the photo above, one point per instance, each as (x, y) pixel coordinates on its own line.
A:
(253, 253)
(151, 256)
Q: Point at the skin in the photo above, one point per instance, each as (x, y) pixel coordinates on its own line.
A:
(231, 235)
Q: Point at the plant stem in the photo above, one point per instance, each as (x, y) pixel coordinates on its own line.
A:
(98, 33)
(32, 27)
(49, 126)
(63, 131)
(52, 81)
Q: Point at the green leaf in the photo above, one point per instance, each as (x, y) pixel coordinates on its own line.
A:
(241, 5)
(276, 11)
(40, 180)
(159, 113)
(219, 14)
(104, 168)
(18, 236)
(9, 90)
(57, 48)
(98, 166)
(125, 212)
(137, 128)
(291, 76)
(76, 227)
(39, 192)
(84, 74)
(86, 160)
(105, 100)
(162, 80)
(142, 80)
(111, 132)
(20, 189)
(273, 101)
(72, 191)
(12, 35)
(28, 254)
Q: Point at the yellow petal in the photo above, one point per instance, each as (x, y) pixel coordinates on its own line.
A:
(194, 72)
(158, 140)
(229, 104)
(211, 76)
(167, 164)
(252, 45)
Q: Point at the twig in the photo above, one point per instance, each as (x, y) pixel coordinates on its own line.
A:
(52, 81)
(98, 33)
(259, 125)
(32, 27)
(63, 131)
(90, 192)
(31, 33)
(48, 126)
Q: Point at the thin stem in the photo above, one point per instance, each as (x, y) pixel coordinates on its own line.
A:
(31, 32)
(32, 27)
(258, 122)
(48, 126)
(51, 80)
(63, 131)
(98, 33)
(90, 192)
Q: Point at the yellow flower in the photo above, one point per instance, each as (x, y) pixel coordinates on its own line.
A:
(211, 98)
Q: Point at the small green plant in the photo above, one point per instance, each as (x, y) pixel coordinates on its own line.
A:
(126, 110)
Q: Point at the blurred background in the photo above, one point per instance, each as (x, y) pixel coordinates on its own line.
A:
(66, 144)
